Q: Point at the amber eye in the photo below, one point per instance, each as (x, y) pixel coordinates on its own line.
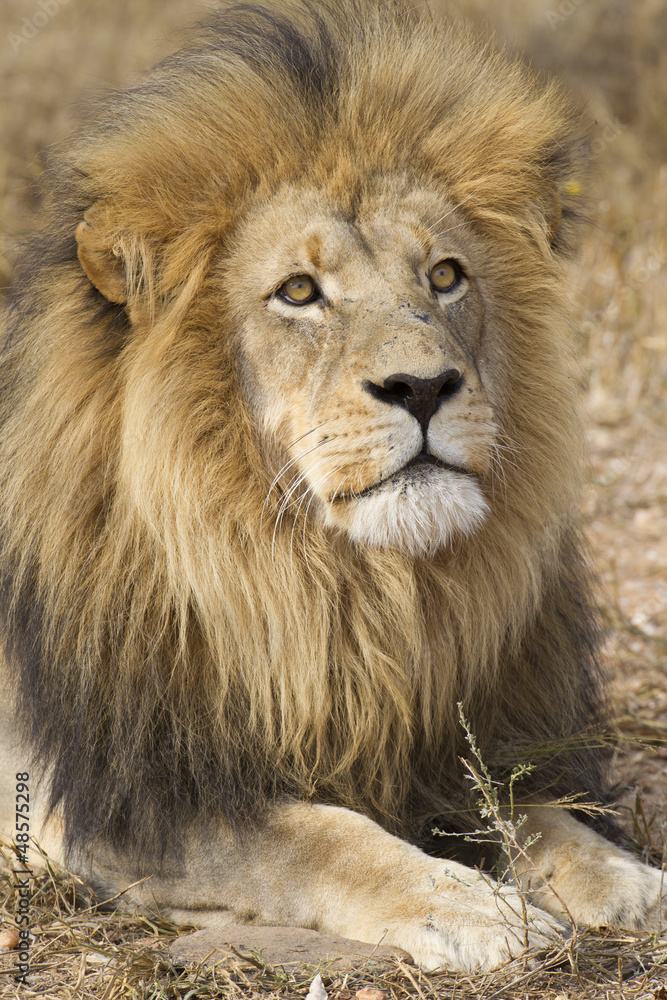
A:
(299, 290)
(445, 276)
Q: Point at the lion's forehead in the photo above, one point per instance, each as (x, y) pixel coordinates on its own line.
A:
(354, 239)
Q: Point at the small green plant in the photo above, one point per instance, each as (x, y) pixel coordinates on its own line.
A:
(495, 803)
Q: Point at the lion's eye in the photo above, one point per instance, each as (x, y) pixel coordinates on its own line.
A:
(299, 291)
(445, 276)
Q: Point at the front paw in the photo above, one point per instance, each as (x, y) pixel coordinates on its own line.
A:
(474, 925)
(602, 887)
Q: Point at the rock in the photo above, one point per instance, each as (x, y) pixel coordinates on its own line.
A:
(9, 939)
(317, 990)
(284, 947)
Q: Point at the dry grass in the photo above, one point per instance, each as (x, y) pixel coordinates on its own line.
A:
(613, 52)
(79, 952)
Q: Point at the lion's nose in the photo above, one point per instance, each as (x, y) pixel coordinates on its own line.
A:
(420, 396)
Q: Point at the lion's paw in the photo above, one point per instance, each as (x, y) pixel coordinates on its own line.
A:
(476, 927)
(603, 887)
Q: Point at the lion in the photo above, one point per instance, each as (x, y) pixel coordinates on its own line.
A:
(290, 469)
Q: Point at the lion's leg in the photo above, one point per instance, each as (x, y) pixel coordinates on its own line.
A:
(335, 871)
(598, 882)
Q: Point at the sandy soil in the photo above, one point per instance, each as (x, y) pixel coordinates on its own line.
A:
(627, 508)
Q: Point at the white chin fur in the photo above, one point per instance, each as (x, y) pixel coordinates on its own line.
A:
(420, 515)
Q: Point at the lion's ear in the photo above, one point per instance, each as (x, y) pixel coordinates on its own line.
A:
(104, 268)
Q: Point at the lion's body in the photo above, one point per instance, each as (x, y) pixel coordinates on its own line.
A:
(236, 571)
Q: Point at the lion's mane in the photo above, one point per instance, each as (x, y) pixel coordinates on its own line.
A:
(177, 658)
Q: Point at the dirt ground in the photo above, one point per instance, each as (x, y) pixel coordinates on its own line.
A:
(628, 530)
(613, 53)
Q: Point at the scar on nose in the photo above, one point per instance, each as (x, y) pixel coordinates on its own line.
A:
(422, 317)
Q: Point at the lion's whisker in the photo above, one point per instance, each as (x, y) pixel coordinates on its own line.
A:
(505, 443)
(499, 475)
(431, 226)
(303, 531)
(297, 440)
(507, 462)
(293, 461)
(284, 469)
(310, 489)
(286, 501)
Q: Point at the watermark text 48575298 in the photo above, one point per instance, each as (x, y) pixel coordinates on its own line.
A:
(23, 874)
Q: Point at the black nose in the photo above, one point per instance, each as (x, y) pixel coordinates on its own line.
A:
(420, 396)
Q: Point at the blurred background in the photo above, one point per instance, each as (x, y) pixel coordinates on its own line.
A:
(613, 53)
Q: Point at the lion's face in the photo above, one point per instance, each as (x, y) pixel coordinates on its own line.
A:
(364, 362)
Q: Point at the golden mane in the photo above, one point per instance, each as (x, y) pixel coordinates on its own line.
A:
(177, 654)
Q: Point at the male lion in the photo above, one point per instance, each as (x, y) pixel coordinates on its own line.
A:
(289, 468)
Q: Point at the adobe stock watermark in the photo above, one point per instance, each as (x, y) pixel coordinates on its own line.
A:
(564, 10)
(22, 877)
(647, 268)
(606, 133)
(45, 11)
